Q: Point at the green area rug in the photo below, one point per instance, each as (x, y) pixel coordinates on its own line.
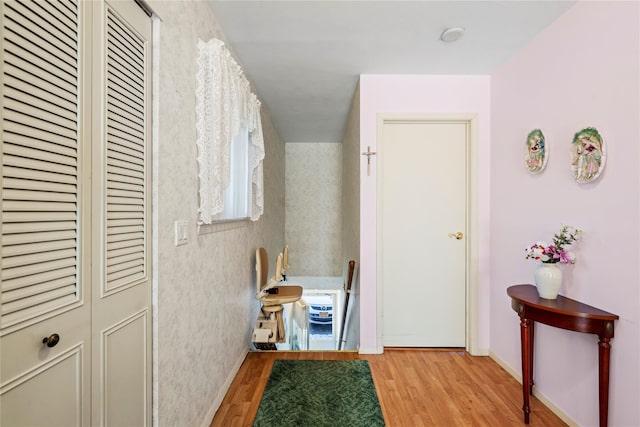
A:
(319, 393)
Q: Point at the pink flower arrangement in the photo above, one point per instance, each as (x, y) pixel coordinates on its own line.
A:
(556, 252)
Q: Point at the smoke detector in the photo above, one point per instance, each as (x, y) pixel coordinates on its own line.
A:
(451, 34)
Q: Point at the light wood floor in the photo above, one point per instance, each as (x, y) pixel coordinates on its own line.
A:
(416, 387)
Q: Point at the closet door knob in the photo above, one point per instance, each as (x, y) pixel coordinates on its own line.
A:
(51, 341)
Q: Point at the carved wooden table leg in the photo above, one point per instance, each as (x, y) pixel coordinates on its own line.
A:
(604, 352)
(527, 351)
(531, 329)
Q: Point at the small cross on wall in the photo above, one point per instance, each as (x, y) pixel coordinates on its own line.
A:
(369, 153)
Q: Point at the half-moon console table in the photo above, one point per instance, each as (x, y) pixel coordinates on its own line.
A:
(562, 313)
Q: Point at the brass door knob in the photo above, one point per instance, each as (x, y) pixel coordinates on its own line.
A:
(457, 235)
(51, 341)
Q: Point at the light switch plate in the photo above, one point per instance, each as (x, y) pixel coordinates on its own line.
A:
(181, 232)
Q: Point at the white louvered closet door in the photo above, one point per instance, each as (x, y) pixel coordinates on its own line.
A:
(121, 174)
(46, 238)
(75, 209)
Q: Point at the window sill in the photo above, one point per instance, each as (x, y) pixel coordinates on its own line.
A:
(220, 226)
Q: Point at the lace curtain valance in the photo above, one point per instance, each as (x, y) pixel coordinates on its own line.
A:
(224, 105)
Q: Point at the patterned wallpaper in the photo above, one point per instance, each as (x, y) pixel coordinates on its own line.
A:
(351, 160)
(313, 208)
(205, 289)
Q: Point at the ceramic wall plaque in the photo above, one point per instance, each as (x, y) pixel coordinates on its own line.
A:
(588, 155)
(536, 151)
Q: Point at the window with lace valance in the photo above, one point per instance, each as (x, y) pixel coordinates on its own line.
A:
(229, 138)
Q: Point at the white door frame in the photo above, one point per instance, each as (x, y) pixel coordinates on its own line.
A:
(472, 223)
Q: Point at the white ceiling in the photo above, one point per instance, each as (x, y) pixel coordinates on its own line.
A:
(304, 57)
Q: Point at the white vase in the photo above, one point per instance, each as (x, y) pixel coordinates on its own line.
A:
(548, 280)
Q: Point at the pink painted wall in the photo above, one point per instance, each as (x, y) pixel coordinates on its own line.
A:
(417, 94)
(583, 70)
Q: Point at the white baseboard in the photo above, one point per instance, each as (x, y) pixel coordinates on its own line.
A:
(515, 374)
(541, 397)
(370, 350)
(478, 352)
(223, 391)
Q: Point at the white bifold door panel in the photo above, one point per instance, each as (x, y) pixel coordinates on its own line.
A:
(75, 296)
(121, 311)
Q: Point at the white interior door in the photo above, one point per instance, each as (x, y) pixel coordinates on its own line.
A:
(121, 310)
(422, 180)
